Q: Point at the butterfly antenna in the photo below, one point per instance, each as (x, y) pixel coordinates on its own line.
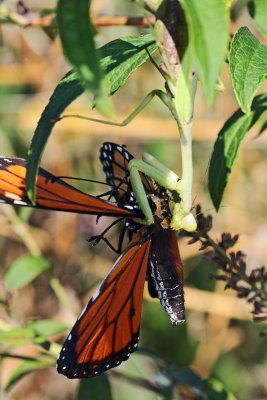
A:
(79, 179)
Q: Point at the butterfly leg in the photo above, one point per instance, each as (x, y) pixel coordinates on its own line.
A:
(97, 238)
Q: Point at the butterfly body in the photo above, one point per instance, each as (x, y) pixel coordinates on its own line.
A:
(107, 330)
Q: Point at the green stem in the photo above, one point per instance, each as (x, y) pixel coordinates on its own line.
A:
(12, 16)
(185, 184)
(62, 296)
(22, 230)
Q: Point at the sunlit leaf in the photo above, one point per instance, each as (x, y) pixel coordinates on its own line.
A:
(77, 38)
(216, 390)
(16, 336)
(227, 145)
(24, 269)
(208, 27)
(248, 66)
(47, 327)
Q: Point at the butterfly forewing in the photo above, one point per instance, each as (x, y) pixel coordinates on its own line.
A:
(51, 192)
(107, 331)
(115, 160)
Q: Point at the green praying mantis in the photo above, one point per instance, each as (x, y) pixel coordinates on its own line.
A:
(181, 189)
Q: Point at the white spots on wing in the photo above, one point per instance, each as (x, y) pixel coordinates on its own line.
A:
(64, 348)
(107, 366)
(63, 358)
(64, 367)
(70, 336)
(128, 355)
(135, 345)
(129, 206)
(118, 362)
(2, 201)
(109, 147)
(104, 154)
(96, 372)
(126, 155)
(56, 365)
(75, 375)
(20, 203)
(110, 158)
(119, 148)
(8, 160)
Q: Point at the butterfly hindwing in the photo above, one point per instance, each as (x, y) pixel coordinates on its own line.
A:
(107, 331)
(51, 192)
(165, 274)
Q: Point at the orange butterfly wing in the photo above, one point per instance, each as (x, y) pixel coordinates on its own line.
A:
(51, 193)
(107, 331)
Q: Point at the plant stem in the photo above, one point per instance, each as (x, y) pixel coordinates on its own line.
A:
(186, 182)
(62, 295)
(12, 16)
(22, 230)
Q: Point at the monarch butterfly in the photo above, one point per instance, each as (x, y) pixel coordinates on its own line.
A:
(107, 330)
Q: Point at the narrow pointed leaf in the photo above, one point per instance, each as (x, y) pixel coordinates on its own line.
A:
(227, 145)
(47, 327)
(248, 66)
(24, 270)
(16, 336)
(208, 27)
(120, 58)
(77, 38)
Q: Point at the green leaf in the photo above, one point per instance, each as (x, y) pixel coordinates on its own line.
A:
(77, 38)
(208, 27)
(68, 89)
(47, 327)
(258, 11)
(248, 66)
(227, 145)
(24, 269)
(26, 367)
(215, 390)
(120, 58)
(95, 389)
(16, 336)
